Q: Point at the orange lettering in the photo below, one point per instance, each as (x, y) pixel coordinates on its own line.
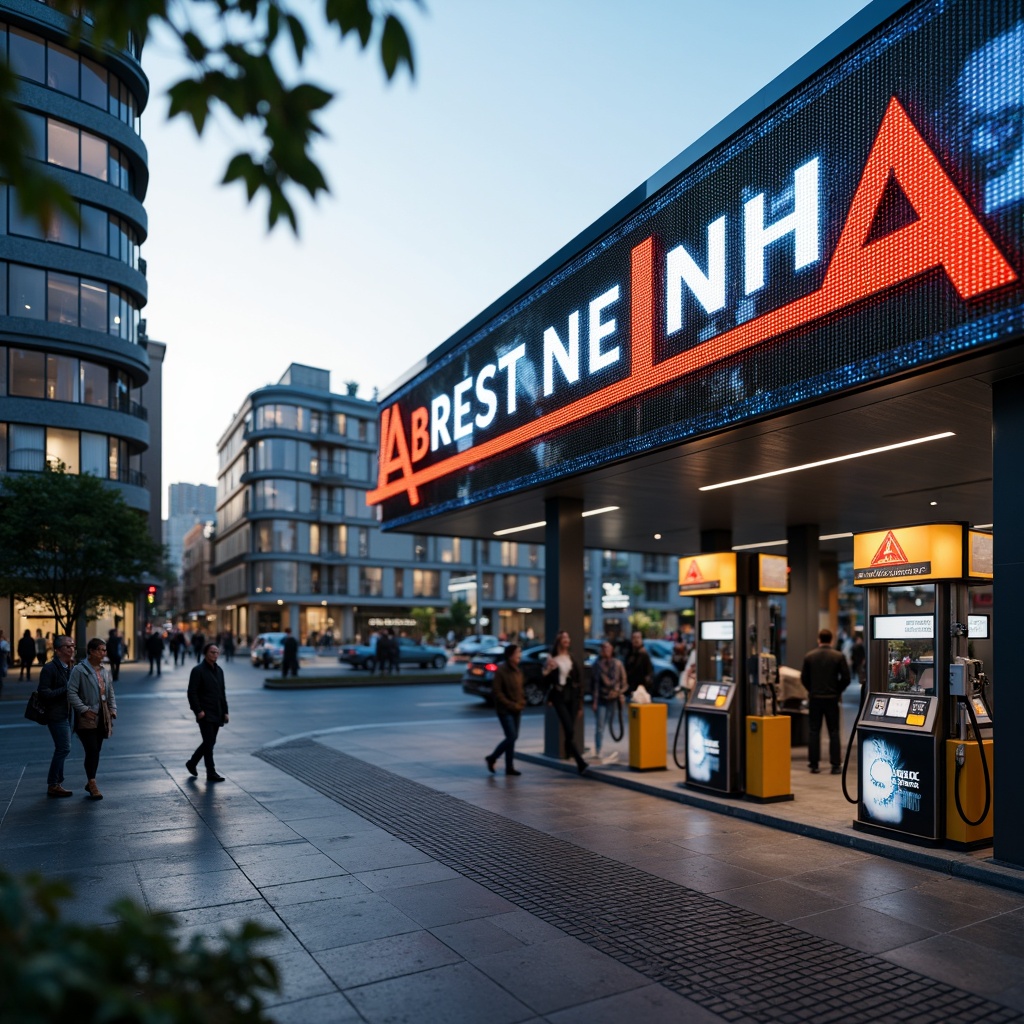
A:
(418, 431)
(394, 454)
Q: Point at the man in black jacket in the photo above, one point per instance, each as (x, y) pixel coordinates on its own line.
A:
(825, 674)
(53, 689)
(209, 703)
(289, 654)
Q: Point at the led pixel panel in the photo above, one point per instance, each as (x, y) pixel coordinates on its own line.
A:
(868, 224)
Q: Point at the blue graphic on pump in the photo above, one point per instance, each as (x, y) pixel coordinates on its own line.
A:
(898, 781)
(703, 753)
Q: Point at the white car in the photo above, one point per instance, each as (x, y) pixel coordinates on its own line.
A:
(475, 644)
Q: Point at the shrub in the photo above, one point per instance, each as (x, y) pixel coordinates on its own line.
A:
(136, 971)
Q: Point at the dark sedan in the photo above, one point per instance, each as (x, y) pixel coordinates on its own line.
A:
(409, 653)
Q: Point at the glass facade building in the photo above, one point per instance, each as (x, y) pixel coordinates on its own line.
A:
(296, 544)
(73, 352)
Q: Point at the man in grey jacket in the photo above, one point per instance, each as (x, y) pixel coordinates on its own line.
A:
(825, 674)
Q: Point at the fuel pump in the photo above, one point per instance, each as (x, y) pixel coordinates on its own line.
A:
(924, 728)
(970, 756)
(734, 737)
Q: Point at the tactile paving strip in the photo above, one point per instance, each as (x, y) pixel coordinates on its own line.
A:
(734, 963)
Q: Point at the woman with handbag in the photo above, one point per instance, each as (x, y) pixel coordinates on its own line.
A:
(563, 677)
(91, 695)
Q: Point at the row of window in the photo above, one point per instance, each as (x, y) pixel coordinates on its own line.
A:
(313, 421)
(278, 453)
(26, 448)
(67, 299)
(97, 231)
(57, 67)
(76, 149)
(273, 578)
(26, 373)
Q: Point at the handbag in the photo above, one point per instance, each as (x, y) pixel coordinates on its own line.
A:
(106, 723)
(35, 710)
(81, 722)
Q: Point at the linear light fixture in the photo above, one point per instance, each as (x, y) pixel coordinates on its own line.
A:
(761, 544)
(828, 462)
(834, 536)
(983, 526)
(544, 522)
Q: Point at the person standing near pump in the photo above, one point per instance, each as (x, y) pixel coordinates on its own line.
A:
(608, 688)
(91, 696)
(507, 690)
(289, 654)
(563, 677)
(639, 670)
(53, 689)
(825, 674)
(209, 703)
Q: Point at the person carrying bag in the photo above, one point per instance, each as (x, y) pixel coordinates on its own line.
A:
(91, 696)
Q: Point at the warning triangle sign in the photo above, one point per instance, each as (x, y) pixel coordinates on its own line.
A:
(693, 573)
(889, 552)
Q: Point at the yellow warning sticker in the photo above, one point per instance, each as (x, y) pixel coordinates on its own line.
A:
(915, 719)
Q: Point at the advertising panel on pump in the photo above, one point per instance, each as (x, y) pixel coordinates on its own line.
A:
(867, 224)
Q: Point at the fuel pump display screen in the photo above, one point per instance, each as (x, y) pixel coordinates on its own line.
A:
(914, 713)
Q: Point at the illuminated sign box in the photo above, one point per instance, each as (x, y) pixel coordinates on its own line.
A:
(708, 574)
(903, 627)
(850, 232)
(913, 554)
(772, 574)
(977, 627)
(717, 629)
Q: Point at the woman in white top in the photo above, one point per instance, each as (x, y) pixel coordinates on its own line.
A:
(91, 696)
(563, 676)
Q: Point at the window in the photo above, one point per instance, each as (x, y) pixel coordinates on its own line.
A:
(487, 586)
(95, 388)
(94, 454)
(343, 539)
(510, 586)
(314, 538)
(62, 298)
(61, 69)
(94, 305)
(509, 552)
(364, 542)
(339, 423)
(420, 548)
(27, 55)
(21, 223)
(339, 579)
(370, 581)
(62, 145)
(94, 229)
(657, 563)
(61, 378)
(3, 447)
(3, 370)
(28, 374)
(94, 83)
(28, 291)
(94, 157)
(533, 588)
(426, 583)
(450, 549)
(399, 583)
(359, 465)
(28, 448)
(62, 446)
(62, 230)
(36, 125)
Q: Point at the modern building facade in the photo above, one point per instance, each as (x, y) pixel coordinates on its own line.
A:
(187, 504)
(297, 545)
(73, 356)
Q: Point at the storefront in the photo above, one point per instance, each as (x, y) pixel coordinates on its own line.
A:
(807, 326)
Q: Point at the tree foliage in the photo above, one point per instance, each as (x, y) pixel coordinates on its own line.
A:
(136, 971)
(71, 543)
(237, 51)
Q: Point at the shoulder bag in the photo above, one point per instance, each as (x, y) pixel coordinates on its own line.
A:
(35, 710)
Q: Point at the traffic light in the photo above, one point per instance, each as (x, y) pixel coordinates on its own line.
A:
(151, 595)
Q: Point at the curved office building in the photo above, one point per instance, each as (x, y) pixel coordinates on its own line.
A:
(71, 361)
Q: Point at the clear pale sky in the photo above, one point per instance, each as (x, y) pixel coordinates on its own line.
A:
(526, 121)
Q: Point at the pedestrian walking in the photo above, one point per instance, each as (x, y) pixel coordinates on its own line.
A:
(26, 655)
(228, 647)
(199, 645)
(154, 650)
(289, 654)
(40, 643)
(53, 690)
(608, 686)
(382, 650)
(507, 690)
(91, 696)
(825, 674)
(639, 669)
(563, 676)
(177, 645)
(394, 653)
(115, 652)
(209, 703)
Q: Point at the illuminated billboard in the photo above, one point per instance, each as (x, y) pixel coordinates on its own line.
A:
(868, 224)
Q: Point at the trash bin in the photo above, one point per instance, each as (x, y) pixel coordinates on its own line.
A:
(648, 737)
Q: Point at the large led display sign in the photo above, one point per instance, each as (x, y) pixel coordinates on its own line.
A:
(867, 224)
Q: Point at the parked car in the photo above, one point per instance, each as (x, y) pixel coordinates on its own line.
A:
(476, 644)
(479, 675)
(409, 653)
(266, 650)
